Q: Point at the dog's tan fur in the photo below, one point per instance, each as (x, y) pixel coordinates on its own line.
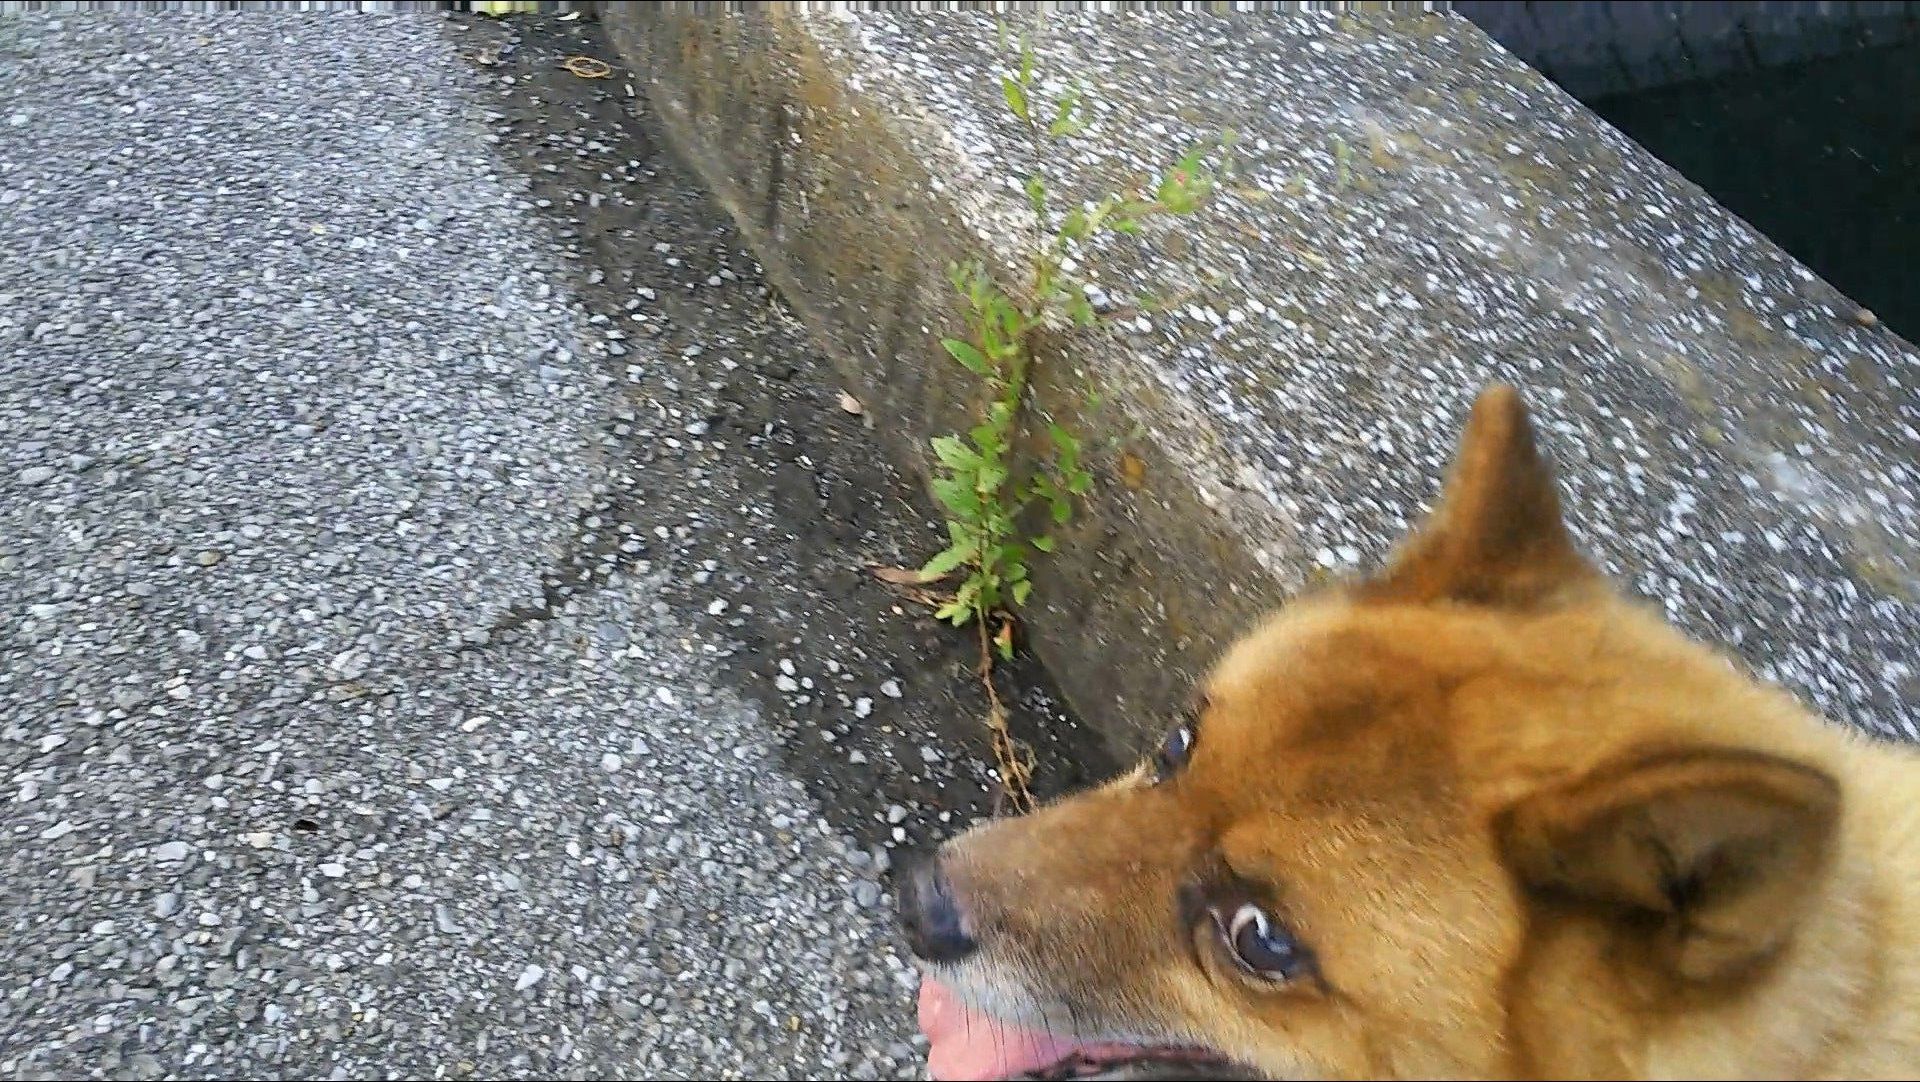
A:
(1527, 829)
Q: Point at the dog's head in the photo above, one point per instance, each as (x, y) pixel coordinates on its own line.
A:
(1474, 815)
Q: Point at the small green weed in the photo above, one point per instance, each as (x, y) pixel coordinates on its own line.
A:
(984, 485)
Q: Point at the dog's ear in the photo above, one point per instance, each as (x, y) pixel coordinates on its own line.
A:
(1706, 859)
(1496, 537)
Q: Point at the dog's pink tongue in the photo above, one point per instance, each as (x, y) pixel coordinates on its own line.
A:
(966, 1045)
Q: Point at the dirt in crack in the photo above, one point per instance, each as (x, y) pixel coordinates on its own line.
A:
(743, 479)
(590, 547)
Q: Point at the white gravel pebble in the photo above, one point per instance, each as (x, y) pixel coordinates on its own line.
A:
(170, 852)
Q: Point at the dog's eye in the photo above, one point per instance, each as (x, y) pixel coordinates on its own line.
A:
(1174, 749)
(1263, 947)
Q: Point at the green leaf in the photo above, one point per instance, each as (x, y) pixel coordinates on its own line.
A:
(989, 479)
(967, 280)
(955, 455)
(954, 612)
(1020, 592)
(979, 290)
(969, 592)
(959, 497)
(990, 342)
(966, 354)
(1037, 194)
(1186, 183)
(947, 559)
(1026, 60)
(1079, 482)
(1080, 309)
(1062, 509)
(987, 438)
(1016, 96)
(1013, 322)
(1063, 119)
(990, 439)
(1044, 543)
(986, 598)
(1049, 492)
(1075, 226)
(1096, 220)
(1066, 445)
(997, 523)
(1058, 288)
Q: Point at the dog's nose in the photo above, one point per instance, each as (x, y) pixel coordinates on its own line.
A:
(929, 915)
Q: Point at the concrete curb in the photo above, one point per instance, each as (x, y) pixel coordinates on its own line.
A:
(1420, 213)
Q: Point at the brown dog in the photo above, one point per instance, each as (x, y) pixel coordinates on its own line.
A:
(1476, 816)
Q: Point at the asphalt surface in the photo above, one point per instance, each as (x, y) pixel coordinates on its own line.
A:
(362, 713)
